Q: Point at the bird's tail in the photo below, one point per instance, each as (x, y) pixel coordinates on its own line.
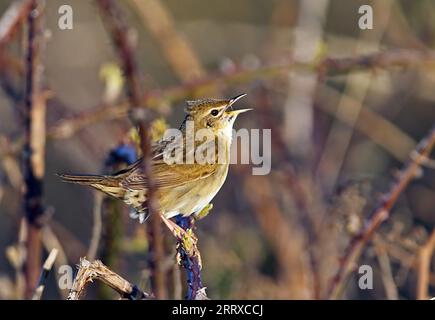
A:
(83, 179)
(107, 184)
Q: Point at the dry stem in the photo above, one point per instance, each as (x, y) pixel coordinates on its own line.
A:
(34, 147)
(423, 267)
(88, 271)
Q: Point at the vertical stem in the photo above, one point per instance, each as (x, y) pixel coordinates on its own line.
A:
(34, 147)
(190, 263)
(423, 267)
(141, 118)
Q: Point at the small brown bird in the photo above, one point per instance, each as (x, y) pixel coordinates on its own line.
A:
(183, 188)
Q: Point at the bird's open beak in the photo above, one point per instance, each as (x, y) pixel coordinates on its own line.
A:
(233, 100)
(233, 113)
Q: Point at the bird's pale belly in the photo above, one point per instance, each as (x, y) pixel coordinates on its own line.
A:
(191, 198)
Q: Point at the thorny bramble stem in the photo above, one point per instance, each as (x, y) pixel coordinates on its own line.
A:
(191, 261)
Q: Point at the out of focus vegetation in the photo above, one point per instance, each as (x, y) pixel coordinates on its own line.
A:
(346, 106)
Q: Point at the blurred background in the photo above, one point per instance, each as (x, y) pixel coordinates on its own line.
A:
(346, 107)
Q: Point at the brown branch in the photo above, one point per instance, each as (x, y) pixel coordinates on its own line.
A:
(379, 60)
(65, 128)
(141, 117)
(380, 214)
(34, 146)
(423, 267)
(88, 271)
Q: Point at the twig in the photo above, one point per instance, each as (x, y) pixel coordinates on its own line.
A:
(88, 271)
(65, 128)
(48, 264)
(423, 267)
(427, 162)
(380, 214)
(190, 259)
(34, 147)
(188, 254)
(141, 118)
(390, 286)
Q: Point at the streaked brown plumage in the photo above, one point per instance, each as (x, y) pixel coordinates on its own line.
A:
(182, 188)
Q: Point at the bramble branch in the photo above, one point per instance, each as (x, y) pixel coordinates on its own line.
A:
(188, 254)
(380, 214)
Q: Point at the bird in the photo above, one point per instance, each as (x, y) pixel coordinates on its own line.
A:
(183, 187)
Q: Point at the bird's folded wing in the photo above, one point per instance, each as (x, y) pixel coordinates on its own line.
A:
(166, 175)
(169, 176)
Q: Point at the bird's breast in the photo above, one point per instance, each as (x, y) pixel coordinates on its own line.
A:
(192, 197)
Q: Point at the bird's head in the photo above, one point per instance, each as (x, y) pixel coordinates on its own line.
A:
(214, 114)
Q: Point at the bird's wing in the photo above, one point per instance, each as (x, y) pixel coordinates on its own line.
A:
(168, 176)
(165, 175)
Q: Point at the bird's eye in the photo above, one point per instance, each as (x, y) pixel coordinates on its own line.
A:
(214, 112)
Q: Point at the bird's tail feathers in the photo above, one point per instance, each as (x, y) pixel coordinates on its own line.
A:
(83, 179)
